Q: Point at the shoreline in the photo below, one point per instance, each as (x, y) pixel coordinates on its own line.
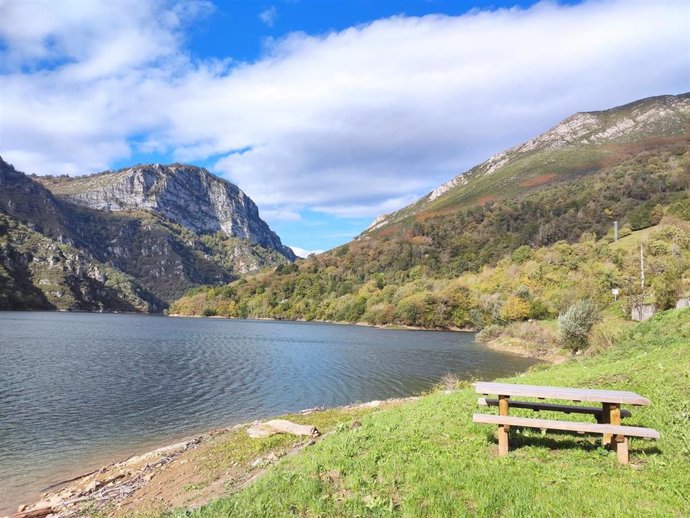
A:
(394, 327)
(552, 357)
(549, 356)
(112, 488)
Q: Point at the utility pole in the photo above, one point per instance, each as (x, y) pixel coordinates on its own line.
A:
(641, 269)
(615, 230)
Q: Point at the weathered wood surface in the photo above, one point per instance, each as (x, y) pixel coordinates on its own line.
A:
(36, 513)
(537, 406)
(571, 426)
(571, 394)
(503, 430)
(622, 449)
(276, 426)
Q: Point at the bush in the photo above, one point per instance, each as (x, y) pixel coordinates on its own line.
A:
(209, 312)
(539, 310)
(535, 334)
(575, 323)
(604, 336)
(680, 209)
(515, 308)
(489, 333)
(522, 254)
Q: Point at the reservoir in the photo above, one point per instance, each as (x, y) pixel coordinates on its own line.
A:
(78, 390)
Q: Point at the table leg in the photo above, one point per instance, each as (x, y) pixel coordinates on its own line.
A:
(615, 418)
(606, 419)
(503, 430)
(621, 442)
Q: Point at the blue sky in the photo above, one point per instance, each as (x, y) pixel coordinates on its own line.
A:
(327, 113)
(239, 28)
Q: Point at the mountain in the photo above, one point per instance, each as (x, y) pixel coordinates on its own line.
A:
(186, 195)
(583, 144)
(127, 240)
(525, 233)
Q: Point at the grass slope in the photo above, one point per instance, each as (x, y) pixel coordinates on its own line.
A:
(428, 459)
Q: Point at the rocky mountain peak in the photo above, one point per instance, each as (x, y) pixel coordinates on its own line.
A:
(187, 195)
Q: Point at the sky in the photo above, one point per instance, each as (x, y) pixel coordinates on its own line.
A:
(326, 113)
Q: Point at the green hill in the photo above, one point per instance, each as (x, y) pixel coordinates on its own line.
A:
(581, 145)
(529, 283)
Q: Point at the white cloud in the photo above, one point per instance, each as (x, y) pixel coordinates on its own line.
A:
(268, 16)
(301, 252)
(349, 123)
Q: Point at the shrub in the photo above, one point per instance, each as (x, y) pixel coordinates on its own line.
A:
(539, 310)
(515, 308)
(523, 292)
(604, 336)
(656, 214)
(489, 333)
(533, 333)
(575, 323)
(665, 292)
(680, 209)
(522, 254)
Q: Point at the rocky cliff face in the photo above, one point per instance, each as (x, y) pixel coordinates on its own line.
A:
(37, 272)
(128, 241)
(186, 195)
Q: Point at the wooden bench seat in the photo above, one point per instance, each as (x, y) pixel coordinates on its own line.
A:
(620, 433)
(597, 412)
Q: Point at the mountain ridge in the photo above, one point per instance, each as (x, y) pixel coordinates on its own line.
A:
(184, 194)
(628, 124)
(160, 258)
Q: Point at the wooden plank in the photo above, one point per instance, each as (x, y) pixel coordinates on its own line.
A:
(571, 426)
(572, 394)
(567, 409)
(503, 437)
(36, 513)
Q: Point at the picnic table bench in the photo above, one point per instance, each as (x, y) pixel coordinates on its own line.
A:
(608, 415)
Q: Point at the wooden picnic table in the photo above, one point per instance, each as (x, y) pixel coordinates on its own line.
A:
(608, 415)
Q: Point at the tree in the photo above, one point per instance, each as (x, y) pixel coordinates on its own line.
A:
(515, 308)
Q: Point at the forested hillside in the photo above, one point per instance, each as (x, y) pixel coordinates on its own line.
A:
(508, 240)
(529, 283)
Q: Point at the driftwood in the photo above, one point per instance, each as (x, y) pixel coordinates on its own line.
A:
(306, 411)
(36, 513)
(276, 426)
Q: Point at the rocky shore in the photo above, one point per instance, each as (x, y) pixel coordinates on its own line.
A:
(194, 471)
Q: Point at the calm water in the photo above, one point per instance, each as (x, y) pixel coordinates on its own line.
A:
(79, 390)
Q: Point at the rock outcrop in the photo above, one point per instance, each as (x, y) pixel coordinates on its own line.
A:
(131, 240)
(186, 195)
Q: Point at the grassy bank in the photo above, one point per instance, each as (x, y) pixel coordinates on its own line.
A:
(427, 458)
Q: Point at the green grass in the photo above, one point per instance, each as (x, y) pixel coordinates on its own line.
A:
(427, 458)
(238, 447)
